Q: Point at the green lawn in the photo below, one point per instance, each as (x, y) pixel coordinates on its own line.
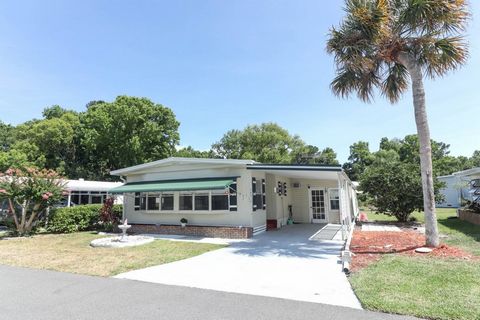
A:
(422, 287)
(427, 287)
(72, 253)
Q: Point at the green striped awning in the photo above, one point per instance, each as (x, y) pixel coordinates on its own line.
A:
(175, 185)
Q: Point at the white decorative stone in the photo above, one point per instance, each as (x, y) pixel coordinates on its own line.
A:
(121, 242)
(423, 250)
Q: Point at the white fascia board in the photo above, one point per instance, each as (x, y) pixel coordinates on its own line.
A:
(467, 172)
(174, 160)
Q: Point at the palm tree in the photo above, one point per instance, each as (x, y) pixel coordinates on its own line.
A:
(381, 44)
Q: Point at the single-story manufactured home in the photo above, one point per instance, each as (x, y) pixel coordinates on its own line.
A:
(460, 187)
(232, 198)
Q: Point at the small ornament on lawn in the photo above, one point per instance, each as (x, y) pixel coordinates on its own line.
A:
(423, 250)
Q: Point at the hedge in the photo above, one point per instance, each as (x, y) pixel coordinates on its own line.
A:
(78, 218)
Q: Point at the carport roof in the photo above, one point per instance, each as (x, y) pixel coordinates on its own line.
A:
(301, 167)
(314, 172)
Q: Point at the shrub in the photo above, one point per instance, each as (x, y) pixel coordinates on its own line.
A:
(109, 214)
(79, 218)
(395, 188)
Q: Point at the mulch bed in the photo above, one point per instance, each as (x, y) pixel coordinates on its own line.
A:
(369, 246)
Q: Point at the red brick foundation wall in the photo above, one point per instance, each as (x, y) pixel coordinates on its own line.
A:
(200, 231)
(469, 216)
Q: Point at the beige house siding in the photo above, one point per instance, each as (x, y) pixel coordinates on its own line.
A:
(241, 217)
(277, 205)
(301, 200)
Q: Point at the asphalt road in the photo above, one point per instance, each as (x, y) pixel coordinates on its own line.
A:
(39, 294)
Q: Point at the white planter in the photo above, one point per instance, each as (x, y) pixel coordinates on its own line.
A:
(183, 224)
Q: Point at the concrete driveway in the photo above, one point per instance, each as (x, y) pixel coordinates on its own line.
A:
(282, 264)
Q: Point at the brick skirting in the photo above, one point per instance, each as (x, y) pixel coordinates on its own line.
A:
(469, 216)
(200, 231)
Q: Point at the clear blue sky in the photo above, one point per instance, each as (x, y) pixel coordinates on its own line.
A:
(219, 65)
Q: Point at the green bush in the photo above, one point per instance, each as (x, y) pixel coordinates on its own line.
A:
(78, 218)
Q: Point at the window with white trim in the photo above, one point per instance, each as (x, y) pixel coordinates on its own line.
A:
(140, 201)
(153, 201)
(87, 197)
(185, 201)
(167, 201)
(258, 194)
(202, 201)
(254, 194)
(232, 198)
(220, 200)
(334, 199)
(264, 195)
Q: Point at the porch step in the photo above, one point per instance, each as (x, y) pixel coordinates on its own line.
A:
(271, 224)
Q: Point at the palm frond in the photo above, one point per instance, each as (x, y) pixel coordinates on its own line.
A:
(439, 56)
(344, 83)
(427, 17)
(395, 83)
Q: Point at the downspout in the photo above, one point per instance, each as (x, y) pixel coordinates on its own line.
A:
(346, 253)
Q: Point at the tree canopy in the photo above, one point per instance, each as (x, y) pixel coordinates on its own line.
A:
(267, 143)
(107, 136)
(405, 150)
(126, 132)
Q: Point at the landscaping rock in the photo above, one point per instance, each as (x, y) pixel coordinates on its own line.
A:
(423, 250)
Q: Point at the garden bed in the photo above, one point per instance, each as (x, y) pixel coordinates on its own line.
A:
(369, 246)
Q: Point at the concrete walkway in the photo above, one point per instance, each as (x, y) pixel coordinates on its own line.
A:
(282, 264)
(49, 295)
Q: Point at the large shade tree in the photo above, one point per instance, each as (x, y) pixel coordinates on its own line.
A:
(126, 132)
(382, 44)
(267, 143)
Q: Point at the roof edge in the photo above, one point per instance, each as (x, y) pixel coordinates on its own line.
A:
(181, 160)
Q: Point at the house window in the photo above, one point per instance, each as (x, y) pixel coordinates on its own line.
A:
(96, 198)
(254, 194)
(185, 202)
(219, 201)
(167, 201)
(153, 201)
(202, 201)
(334, 199)
(214, 200)
(233, 197)
(84, 198)
(140, 201)
(143, 201)
(75, 199)
(264, 193)
(258, 194)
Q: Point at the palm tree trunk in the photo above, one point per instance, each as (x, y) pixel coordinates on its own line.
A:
(423, 131)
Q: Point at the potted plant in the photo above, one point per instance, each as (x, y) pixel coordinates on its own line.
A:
(184, 222)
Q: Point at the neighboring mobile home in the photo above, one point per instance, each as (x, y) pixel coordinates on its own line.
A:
(233, 198)
(82, 192)
(460, 187)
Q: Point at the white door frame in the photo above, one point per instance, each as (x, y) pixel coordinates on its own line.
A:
(312, 220)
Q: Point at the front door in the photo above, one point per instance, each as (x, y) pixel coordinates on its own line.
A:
(317, 206)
